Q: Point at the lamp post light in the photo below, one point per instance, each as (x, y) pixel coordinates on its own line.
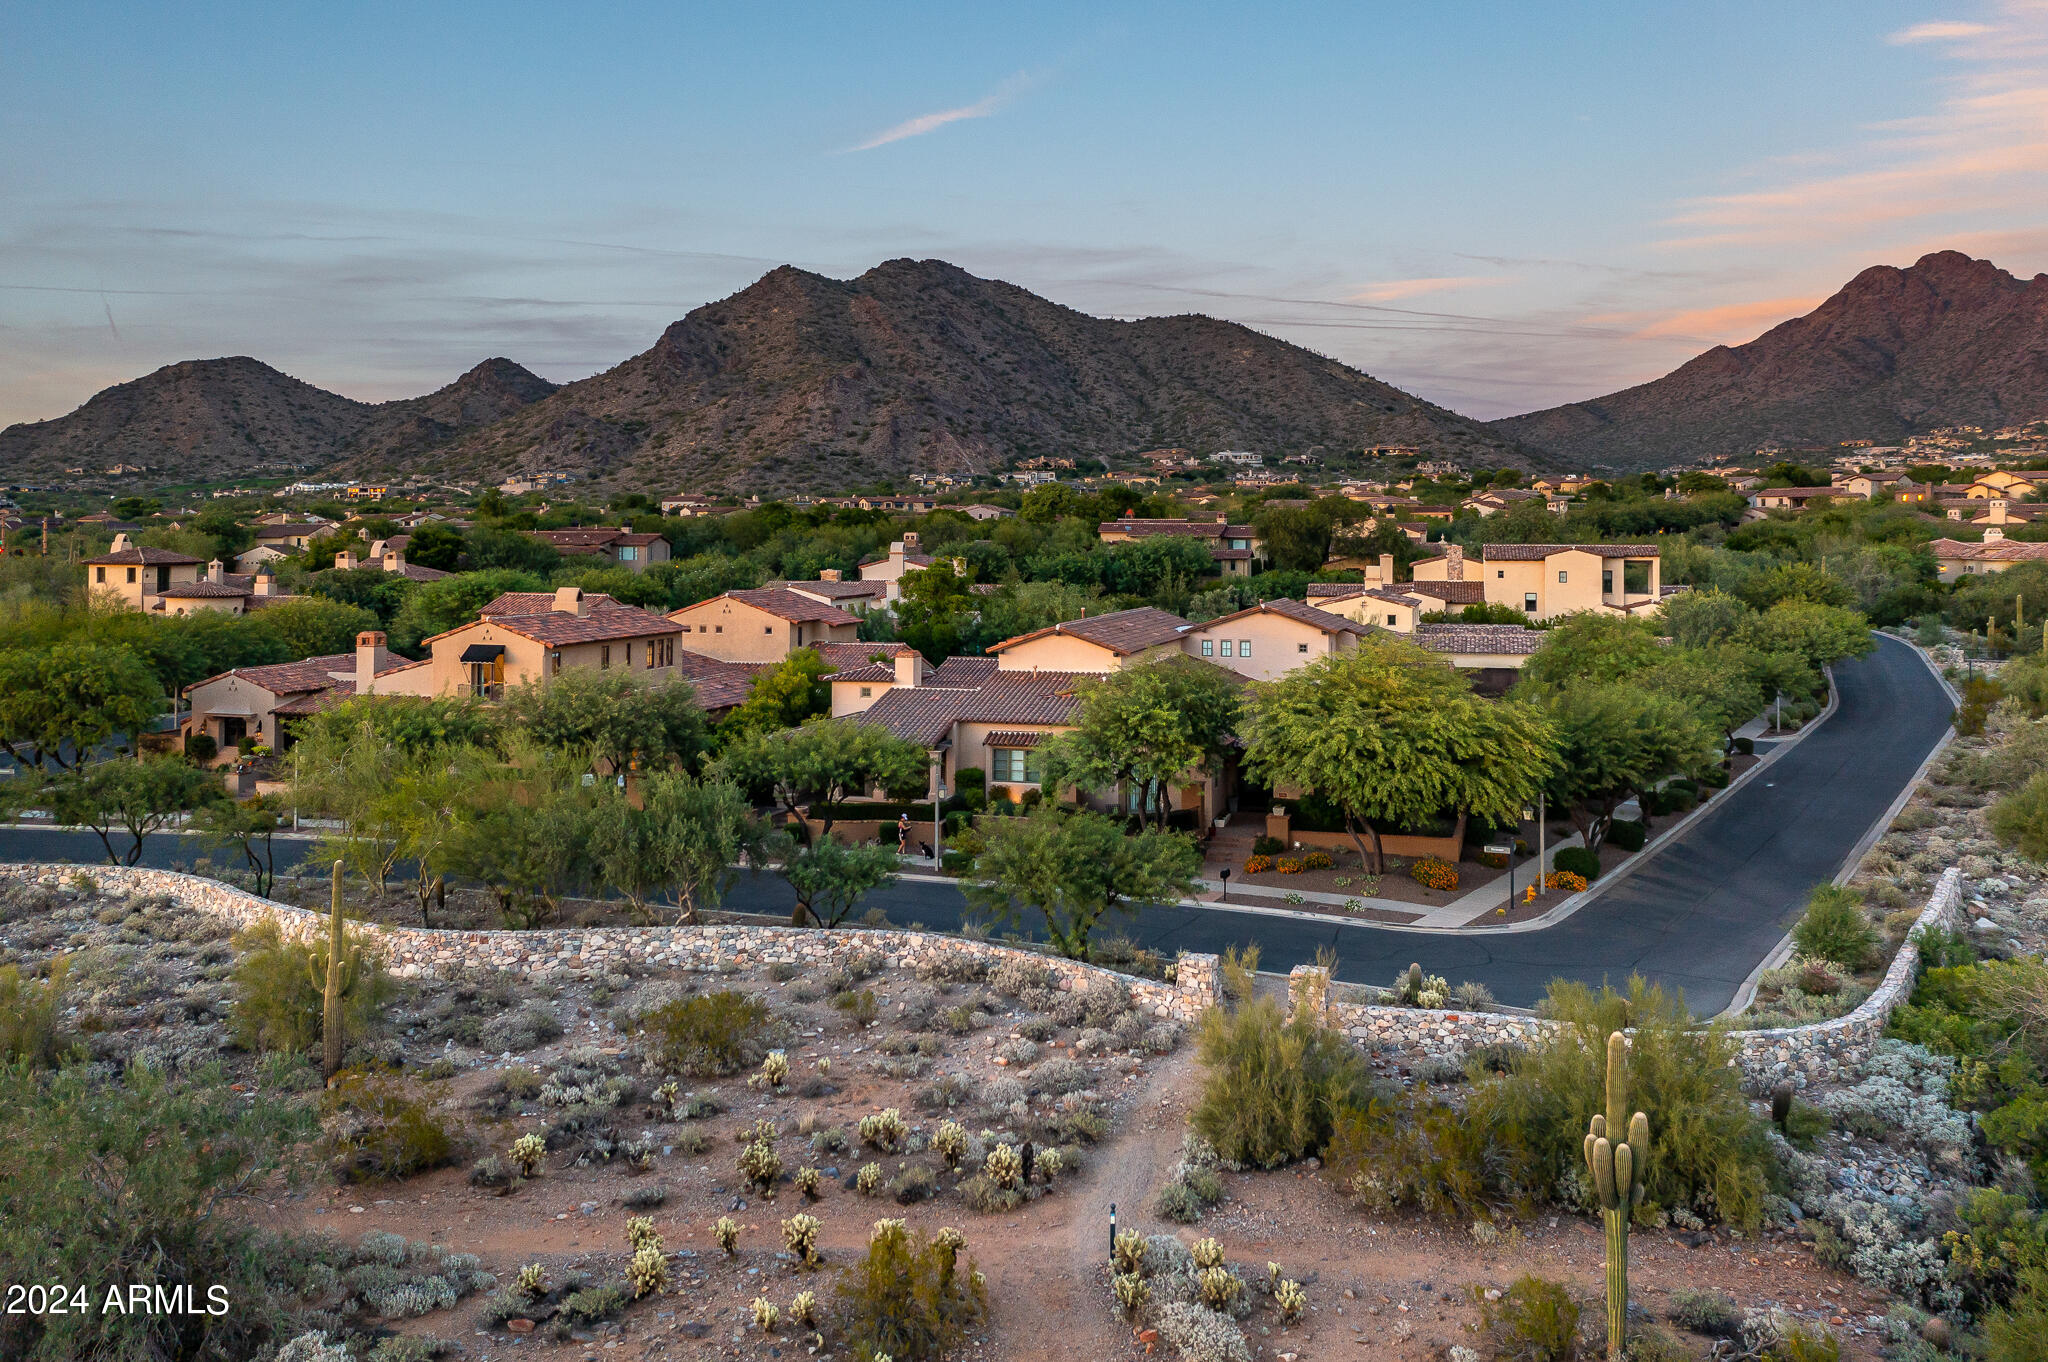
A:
(938, 824)
(1112, 1233)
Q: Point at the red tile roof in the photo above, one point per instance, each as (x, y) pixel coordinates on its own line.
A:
(202, 590)
(143, 555)
(783, 604)
(1503, 639)
(719, 684)
(1294, 610)
(1450, 593)
(555, 628)
(1523, 553)
(535, 602)
(1123, 632)
(926, 714)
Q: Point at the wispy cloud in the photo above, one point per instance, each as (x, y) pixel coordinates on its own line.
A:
(1939, 30)
(932, 122)
(1722, 324)
(1394, 290)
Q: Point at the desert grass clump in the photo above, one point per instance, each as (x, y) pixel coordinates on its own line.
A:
(526, 1153)
(1706, 1312)
(708, 1036)
(384, 1131)
(30, 1029)
(1274, 1086)
(910, 1297)
(800, 1235)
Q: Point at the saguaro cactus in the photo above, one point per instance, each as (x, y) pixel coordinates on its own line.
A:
(1617, 1168)
(343, 968)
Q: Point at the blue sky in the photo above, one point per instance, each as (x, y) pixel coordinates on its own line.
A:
(1496, 206)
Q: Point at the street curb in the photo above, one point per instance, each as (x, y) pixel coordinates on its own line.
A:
(1745, 992)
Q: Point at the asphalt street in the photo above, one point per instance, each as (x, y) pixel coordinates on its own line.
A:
(1699, 915)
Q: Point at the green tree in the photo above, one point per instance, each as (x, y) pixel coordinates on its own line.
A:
(613, 716)
(432, 608)
(1796, 582)
(682, 840)
(132, 797)
(1072, 870)
(247, 826)
(528, 836)
(1387, 733)
(829, 878)
(1723, 686)
(59, 704)
(784, 696)
(411, 723)
(1593, 647)
(821, 763)
(315, 627)
(1822, 635)
(373, 589)
(935, 610)
(1297, 537)
(1616, 741)
(1699, 619)
(435, 545)
(426, 805)
(1145, 727)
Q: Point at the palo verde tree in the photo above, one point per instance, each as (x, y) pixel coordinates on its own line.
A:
(1593, 647)
(829, 878)
(60, 703)
(1145, 727)
(528, 834)
(1618, 741)
(680, 840)
(820, 764)
(1073, 869)
(614, 717)
(248, 826)
(135, 798)
(1390, 735)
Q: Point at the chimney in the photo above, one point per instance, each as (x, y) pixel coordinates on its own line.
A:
(392, 560)
(910, 541)
(828, 574)
(569, 600)
(120, 540)
(266, 581)
(214, 571)
(1993, 533)
(1454, 558)
(909, 666)
(345, 560)
(371, 657)
(1386, 569)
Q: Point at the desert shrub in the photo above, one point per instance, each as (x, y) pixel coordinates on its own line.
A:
(1533, 1321)
(1416, 1154)
(278, 1004)
(519, 1029)
(1990, 1017)
(1979, 694)
(1059, 1076)
(1267, 846)
(30, 1031)
(707, 1036)
(1834, 927)
(1273, 1086)
(1706, 1312)
(381, 1131)
(1629, 834)
(1185, 1199)
(1709, 1154)
(910, 1297)
(859, 1005)
(1569, 881)
(592, 1305)
(122, 1181)
(1578, 861)
(1201, 1335)
(913, 1183)
(2020, 819)
(1432, 873)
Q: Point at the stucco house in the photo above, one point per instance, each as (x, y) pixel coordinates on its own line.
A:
(489, 654)
(1235, 548)
(1956, 558)
(762, 625)
(251, 705)
(1547, 580)
(622, 546)
(1271, 638)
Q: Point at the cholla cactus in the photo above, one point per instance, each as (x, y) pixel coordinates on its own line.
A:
(1617, 1169)
(808, 1180)
(775, 1068)
(760, 1165)
(532, 1281)
(824, 1065)
(886, 1130)
(800, 1233)
(1132, 1293)
(1208, 1253)
(1128, 1253)
(1004, 1167)
(804, 1309)
(1219, 1288)
(762, 1131)
(1290, 1299)
(766, 1315)
(885, 1228)
(640, 1233)
(727, 1234)
(648, 1272)
(1272, 1282)
(950, 1139)
(665, 1096)
(1051, 1163)
(527, 1151)
(868, 1178)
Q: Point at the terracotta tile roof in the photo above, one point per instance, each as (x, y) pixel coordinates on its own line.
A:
(1997, 551)
(926, 714)
(419, 573)
(857, 654)
(837, 590)
(784, 604)
(1230, 555)
(591, 537)
(554, 628)
(535, 602)
(1398, 595)
(1450, 593)
(1502, 639)
(1297, 611)
(291, 530)
(143, 555)
(1336, 590)
(307, 674)
(1523, 553)
(1016, 738)
(1198, 529)
(962, 671)
(202, 590)
(918, 714)
(1123, 632)
(719, 684)
(863, 674)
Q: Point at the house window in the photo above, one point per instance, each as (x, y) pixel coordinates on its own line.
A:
(767, 628)
(718, 629)
(1244, 647)
(1208, 647)
(604, 656)
(628, 552)
(1226, 648)
(1529, 602)
(1301, 647)
(131, 576)
(100, 576)
(866, 691)
(1562, 576)
(1607, 581)
(1018, 765)
(555, 662)
(1500, 573)
(629, 653)
(1391, 621)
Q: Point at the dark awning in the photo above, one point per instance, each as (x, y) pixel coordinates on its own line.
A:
(483, 652)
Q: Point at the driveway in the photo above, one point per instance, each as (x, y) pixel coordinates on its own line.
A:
(1699, 915)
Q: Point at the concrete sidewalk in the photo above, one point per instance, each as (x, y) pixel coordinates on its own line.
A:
(1466, 908)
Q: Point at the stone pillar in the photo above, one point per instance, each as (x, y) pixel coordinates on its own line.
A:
(1308, 993)
(1197, 985)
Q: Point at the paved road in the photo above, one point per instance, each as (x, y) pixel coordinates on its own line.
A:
(1699, 916)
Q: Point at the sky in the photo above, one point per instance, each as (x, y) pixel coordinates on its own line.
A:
(1498, 207)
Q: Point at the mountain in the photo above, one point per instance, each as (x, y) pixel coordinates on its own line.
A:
(800, 382)
(224, 418)
(1946, 341)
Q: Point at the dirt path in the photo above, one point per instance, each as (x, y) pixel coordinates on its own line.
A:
(1046, 1284)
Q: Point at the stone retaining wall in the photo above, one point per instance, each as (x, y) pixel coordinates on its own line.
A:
(413, 951)
(1803, 1053)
